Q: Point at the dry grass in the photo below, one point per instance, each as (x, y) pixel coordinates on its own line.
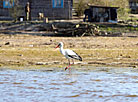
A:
(27, 50)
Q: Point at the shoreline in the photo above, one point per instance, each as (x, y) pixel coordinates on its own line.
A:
(39, 51)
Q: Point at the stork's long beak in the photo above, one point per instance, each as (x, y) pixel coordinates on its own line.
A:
(57, 46)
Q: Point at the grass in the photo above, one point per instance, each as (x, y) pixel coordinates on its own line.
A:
(6, 21)
(25, 56)
(118, 28)
(39, 51)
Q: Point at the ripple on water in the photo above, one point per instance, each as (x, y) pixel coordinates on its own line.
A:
(131, 96)
(72, 96)
(74, 86)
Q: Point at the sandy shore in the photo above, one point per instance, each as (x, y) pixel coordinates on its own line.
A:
(29, 50)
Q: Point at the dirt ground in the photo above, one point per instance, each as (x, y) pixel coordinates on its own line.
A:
(33, 50)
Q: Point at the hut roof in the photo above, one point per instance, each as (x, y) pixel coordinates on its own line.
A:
(98, 6)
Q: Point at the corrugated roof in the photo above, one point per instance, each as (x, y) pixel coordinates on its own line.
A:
(98, 6)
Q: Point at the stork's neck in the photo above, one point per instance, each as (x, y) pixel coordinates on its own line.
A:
(62, 50)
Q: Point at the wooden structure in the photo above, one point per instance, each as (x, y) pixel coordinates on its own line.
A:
(3, 9)
(133, 6)
(52, 9)
(101, 14)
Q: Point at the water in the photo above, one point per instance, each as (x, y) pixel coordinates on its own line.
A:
(99, 85)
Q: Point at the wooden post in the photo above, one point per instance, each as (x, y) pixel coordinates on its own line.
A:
(45, 20)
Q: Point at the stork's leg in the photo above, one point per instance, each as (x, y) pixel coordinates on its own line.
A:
(69, 61)
(73, 61)
(68, 65)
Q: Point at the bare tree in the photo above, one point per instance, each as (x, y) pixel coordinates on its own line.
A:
(80, 6)
(16, 10)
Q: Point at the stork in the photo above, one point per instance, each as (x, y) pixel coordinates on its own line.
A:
(69, 54)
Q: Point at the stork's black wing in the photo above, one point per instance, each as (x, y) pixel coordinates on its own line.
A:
(72, 54)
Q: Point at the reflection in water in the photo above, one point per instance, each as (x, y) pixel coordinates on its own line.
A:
(116, 85)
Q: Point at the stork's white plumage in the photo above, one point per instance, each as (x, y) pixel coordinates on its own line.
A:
(69, 54)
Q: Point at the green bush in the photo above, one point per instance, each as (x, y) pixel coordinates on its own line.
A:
(80, 7)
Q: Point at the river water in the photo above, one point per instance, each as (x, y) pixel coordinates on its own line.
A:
(98, 85)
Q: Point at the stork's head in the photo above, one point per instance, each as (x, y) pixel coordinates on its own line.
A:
(60, 45)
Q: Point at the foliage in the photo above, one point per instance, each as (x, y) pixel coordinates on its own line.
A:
(80, 7)
(97, 2)
(16, 10)
(123, 10)
(109, 29)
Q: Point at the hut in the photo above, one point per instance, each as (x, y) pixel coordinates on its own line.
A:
(101, 14)
(133, 6)
(52, 9)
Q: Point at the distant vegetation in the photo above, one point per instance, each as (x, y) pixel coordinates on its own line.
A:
(16, 10)
(80, 7)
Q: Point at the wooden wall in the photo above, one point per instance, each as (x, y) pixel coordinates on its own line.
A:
(46, 7)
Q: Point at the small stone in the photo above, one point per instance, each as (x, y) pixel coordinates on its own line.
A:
(20, 55)
(31, 45)
(41, 63)
(7, 43)
(56, 62)
(134, 66)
